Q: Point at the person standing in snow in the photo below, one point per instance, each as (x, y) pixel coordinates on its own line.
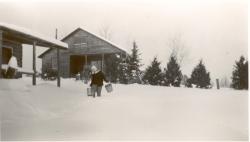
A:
(97, 78)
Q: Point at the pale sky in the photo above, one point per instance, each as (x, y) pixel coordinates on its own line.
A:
(215, 30)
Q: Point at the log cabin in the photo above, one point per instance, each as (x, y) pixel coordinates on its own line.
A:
(85, 49)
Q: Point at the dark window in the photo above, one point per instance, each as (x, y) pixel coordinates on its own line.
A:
(81, 40)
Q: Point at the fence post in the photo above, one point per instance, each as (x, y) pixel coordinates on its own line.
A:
(217, 83)
(34, 63)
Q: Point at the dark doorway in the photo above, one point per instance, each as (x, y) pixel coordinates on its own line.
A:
(7, 53)
(76, 64)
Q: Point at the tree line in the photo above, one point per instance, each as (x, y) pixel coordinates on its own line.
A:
(127, 70)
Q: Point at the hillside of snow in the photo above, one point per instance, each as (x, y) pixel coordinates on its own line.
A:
(131, 112)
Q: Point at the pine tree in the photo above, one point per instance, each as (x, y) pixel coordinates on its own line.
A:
(173, 73)
(112, 65)
(134, 63)
(123, 72)
(153, 73)
(200, 77)
(188, 83)
(240, 74)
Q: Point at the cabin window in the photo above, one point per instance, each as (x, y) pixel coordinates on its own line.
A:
(81, 40)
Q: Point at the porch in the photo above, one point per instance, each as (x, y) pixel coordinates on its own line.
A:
(82, 63)
(12, 35)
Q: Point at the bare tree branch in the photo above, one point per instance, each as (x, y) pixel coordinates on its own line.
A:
(106, 32)
(178, 48)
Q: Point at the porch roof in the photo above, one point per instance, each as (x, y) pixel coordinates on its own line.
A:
(26, 36)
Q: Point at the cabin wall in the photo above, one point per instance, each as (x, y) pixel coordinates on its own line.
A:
(49, 61)
(64, 63)
(91, 44)
(79, 43)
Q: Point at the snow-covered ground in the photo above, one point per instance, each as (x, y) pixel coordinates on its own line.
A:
(131, 112)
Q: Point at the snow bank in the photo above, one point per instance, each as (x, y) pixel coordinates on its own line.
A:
(131, 112)
(25, 100)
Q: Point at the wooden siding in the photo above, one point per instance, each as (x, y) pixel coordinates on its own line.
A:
(93, 44)
(49, 61)
(93, 48)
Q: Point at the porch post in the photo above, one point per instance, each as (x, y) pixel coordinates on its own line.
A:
(86, 61)
(34, 63)
(58, 69)
(1, 50)
(85, 72)
(102, 61)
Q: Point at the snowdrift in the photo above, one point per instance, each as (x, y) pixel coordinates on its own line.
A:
(131, 112)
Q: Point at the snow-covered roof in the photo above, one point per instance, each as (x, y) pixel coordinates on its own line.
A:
(22, 34)
(106, 40)
(93, 48)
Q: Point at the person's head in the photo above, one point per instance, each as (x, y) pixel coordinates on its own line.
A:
(93, 68)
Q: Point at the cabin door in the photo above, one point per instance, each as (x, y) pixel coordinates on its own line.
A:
(7, 53)
(76, 64)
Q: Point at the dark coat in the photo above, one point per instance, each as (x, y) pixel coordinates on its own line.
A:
(98, 78)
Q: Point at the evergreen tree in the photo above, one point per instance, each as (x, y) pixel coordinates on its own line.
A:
(153, 73)
(123, 72)
(240, 74)
(200, 77)
(134, 63)
(112, 65)
(173, 73)
(188, 83)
